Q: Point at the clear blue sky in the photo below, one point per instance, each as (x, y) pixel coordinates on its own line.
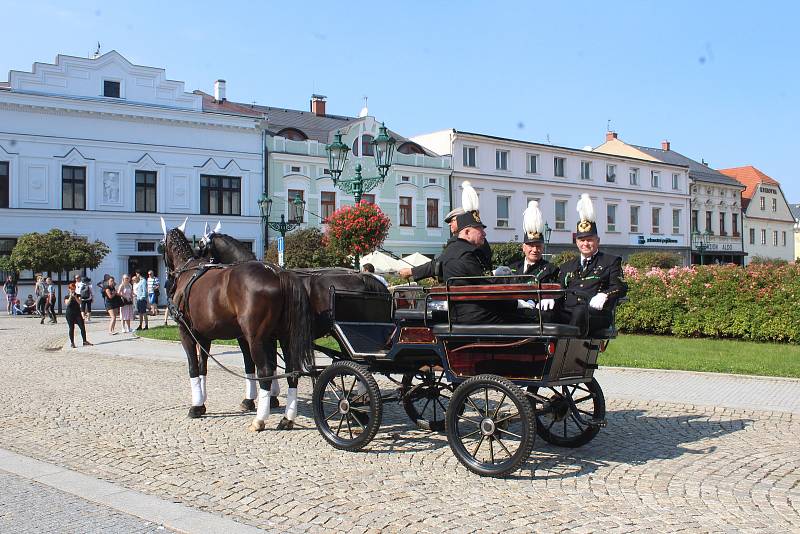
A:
(720, 80)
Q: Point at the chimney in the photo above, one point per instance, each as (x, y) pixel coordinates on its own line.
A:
(318, 105)
(665, 145)
(611, 135)
(219, 90)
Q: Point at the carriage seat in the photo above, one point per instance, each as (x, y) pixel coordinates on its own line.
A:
(512, 330)
(418, 316)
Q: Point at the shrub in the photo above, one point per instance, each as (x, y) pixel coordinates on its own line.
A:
(767, 261)
(506, 253)
(306, 248)
(564, 257)
(662, 260)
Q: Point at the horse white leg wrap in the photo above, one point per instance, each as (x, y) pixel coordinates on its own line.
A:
(250, 387)
(291, 404)
(275, 389)
(263, 405)
(203, 388)
(197, 392)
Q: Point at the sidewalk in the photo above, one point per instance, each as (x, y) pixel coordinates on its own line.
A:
(680, 387)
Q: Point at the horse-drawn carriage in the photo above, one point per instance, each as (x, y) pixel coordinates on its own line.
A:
(493, 388)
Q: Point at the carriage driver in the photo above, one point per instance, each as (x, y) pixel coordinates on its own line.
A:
(596, 273)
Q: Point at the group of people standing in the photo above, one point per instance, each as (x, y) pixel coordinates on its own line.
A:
(135, 295)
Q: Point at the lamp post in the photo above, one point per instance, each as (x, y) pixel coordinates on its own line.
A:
(282, 227)
(547, 232)
(383, 151)
(701, 241)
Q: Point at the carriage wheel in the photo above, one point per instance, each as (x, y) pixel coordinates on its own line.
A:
(347, 405)
(425, 398)
(490, 425)
(575, 415)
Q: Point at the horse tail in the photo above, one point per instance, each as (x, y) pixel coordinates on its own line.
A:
(299, 332)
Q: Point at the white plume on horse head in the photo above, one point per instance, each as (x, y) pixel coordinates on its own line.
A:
(585, 208)
(532, 221)
(182, 227)
(164, 227)
(206, 230)
(217, 228)
(469, 197)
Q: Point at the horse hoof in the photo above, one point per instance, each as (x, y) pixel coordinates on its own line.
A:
(257, 426)
(285, 424)
(273, 403)
(197, 411)
(248, 405)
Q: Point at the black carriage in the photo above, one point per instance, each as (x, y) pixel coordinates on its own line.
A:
(492, 388)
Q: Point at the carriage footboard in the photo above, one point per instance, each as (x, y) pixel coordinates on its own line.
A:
(364, 340)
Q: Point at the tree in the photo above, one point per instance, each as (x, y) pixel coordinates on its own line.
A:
(506, 253)
(305, 248)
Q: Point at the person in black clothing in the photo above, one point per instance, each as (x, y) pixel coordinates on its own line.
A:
(73, 315)
(596, 274)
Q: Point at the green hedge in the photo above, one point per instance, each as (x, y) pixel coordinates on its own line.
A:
(758, 303)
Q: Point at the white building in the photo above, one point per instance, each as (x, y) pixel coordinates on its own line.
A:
(768, 221)
(641, 204)
(103, 148)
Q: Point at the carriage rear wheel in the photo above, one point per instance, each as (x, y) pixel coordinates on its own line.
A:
(490, 425)
(575, 414)
(347, 405)
(425, 398)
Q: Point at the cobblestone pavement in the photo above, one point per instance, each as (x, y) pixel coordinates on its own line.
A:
(658, 466)
(32, 507)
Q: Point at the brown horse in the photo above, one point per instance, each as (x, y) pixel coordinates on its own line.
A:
(251, 301)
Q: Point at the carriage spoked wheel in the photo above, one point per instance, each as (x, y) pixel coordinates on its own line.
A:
(426, 396)
(490, 425)
(575, 414)
(347, 405)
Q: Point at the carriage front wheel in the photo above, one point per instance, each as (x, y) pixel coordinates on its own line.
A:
(490, 425)
(347, 405)
(574, 413)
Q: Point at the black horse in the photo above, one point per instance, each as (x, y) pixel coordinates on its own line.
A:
(251, 301)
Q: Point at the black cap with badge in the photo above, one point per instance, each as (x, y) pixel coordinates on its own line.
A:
(586, 225)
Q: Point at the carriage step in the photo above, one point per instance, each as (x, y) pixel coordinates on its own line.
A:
(585, 365)
(602, 423)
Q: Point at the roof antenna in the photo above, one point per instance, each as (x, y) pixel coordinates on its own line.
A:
(96, 52)
(548, 140)
(608, 125)
(365, 110)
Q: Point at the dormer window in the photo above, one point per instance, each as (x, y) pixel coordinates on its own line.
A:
(111, 89)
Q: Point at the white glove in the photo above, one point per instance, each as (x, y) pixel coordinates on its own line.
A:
(547, 304)
(526, 304)
(503, 271)
(598, 301)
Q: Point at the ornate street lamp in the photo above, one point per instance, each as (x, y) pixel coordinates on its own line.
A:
(701, 241)
(547, 232)
(296, 207)
(383, 150)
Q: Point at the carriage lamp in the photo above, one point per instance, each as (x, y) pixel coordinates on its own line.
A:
(701, 242)
(383, 151)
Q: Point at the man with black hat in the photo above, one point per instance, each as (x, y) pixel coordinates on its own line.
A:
(533, 264)
(598, 276)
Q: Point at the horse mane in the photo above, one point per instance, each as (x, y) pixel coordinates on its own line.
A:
(227, 249)
(178, 244)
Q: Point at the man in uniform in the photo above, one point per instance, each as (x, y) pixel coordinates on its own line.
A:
(533, 264)
(596, 274)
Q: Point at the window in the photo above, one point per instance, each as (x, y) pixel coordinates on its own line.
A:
(708, 223)
(656, 220)
(558, 166)
(292, 134)
(655, 179)
(291, 194)
(676, 180)
(410, 148)
(369, 197)
(763, 202)
(327, 204)
(722, 224)
(752, 236)
(695, 215)
(110, 89)
(295, 168)
(784, 238)
(406, 179)
(634, 218)
(469, 156)
(676, 221)
(73, 188)
(4, 185)
(611, 218)
(432, 181)
(502, 211)
(220, 195)
(735, 224)
(533, 163)
(774, 238)
(432, 210)
(366, 145)
(611, 173)
(633, 175)
(146, 191)
(145, 246)
(561, 214)
(774, 204)
(763, 237)
(501, 160)
(405, 211)
(586, 170)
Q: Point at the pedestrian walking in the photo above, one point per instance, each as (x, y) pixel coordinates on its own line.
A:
(112, 302)
(41, 295)
(10, 289)
(72, 314)
(140, 292)
(86, 293)
(50, 302)
(153, 291)
(125, 293)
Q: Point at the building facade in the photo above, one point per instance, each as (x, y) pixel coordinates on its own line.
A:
(768, 221)
(716, 202)
(641, 204)
(104, 148)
